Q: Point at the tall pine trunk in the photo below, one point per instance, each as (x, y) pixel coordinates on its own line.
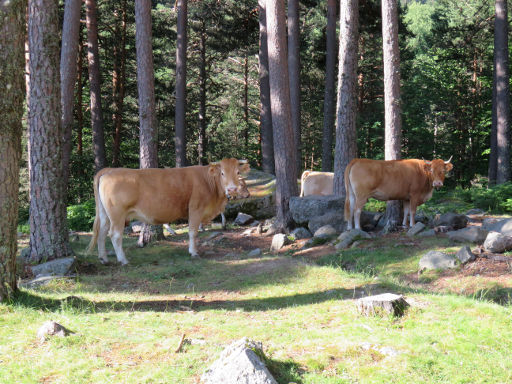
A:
(48, 227)
(284, 148)
(93, 57)
(201, 118)
(267, 139)
(329, 102)
(181, 91)
(294, 75)
(79, 95)
(346, 111)
(12, 82)
(147, 117)
(392, 104)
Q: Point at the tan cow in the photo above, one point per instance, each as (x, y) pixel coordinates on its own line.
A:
(409, 180)
(316, 183)
(158, 196)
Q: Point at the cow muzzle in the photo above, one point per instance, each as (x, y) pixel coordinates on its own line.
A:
(437, 184)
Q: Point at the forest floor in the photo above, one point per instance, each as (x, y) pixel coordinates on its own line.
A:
(300, 303)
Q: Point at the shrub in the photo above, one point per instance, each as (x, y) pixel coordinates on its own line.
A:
(81, 216)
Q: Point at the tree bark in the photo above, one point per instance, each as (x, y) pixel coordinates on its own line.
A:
(502, 92)
(95, 85)
(181, 92)
(68, 70)
(294, 75)
(48, 227)
(346, 138)
(266, 134)
(284, 151)
(330, 80)
(392, 103)
(12, 82)
(201, 145)
(146, 88)
(79, 95)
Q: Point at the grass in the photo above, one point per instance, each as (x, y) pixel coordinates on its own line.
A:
(128, 321)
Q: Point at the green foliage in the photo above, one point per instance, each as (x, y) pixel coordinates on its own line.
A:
(81, 216)
(495, 199)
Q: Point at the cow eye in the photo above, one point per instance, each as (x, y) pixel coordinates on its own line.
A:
(222, 173)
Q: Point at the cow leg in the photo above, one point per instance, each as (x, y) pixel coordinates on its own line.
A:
(407, 205)
(193, 225)
(116, 237)
(412, 211)
(357, 211)
(102, 235)
(352, 202)
(223, 218)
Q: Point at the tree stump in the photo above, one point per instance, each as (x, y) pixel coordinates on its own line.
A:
(386, 303)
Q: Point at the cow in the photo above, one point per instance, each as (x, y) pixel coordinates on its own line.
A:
(316, 183)
(409, 180)
(158, 196)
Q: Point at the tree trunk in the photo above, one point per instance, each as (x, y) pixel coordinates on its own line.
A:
(294, 75)
(147, 117)
(493, 163)
(118, 85)
(330, 67)
(68, 68)
(284, 151)
(181, 92)
(392, 104)
(246, 101)
(502, 92)
(48, 227)
(95, 85)
(201, 145)
(79, 95)
(266, 134)
(346, 111)
(12, 51)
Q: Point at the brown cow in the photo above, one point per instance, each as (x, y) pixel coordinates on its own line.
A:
(409, 180)
(158, 196)
(316, 183)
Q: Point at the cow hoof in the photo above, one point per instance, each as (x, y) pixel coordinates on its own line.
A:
(195, 256)
(104, 261)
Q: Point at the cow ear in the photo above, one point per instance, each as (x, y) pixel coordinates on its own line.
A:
(448, 167)
(244, 168)
(427, 166)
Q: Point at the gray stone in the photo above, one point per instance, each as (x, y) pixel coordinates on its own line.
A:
(267, 224)
(137, 226)
(279, 241)
(427, 233)
(325, 231)
(239, 363)
(334, 219)
(303, 209)
(25, 254)
(369, 220)
(497, 242)
(470, 234)
(503, 226)
(254, 253)
(387, 303)
(51, 328)
(450, 219)
(41, 281)
(437, 260)
(301, 233)
(415, 229)
(465, 255)
(475, 211)
(55, 267)
(243, 219)
(348, 237)
(258, 207)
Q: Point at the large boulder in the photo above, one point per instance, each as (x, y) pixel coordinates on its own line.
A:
(471, 234)
(57, 267)
(415, 229)
(279, 241)
(348, 237)
(326, 231)
(465, 255)
(258, 207)
(301, 233)
(239, 363)
(503, 226)
(303, 209)
(497, 242)
(437, 260)
(453, 220)
(334, 219)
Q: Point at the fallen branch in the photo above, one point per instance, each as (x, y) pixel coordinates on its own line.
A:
(178, 350)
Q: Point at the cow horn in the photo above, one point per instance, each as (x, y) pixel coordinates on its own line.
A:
(450, 159)
(215, 163)
(242, 161)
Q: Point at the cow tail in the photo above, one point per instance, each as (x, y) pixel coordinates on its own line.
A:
(348, 188)
(305, 174)
(96, 225)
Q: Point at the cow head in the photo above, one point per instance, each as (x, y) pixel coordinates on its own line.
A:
(438, 169)
(229, 173)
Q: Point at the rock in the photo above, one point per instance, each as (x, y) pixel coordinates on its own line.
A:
(137, 226)
(465, 255)
(370, 220)
(497, 242)
(258, 207)
(267, 224)
(243, 219)
(325, 231)
(387, 303)
(415, 229)
(53, 268)
(427, 233)
(41, 281)
(437, 260)
(25, 254)
(450, 219)
(254, 253)
(470, 234)
(279, 241)
(51, 328)
(301, 233)
(348, 237)
(443, 229)
(475, 211)
(303, 209)
(502, 226)
(334, 219)
(240, 363)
